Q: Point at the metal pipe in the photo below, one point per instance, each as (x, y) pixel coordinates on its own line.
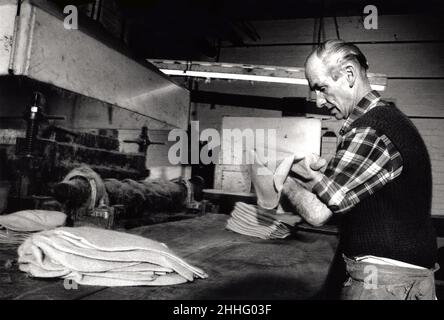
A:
(337, 27)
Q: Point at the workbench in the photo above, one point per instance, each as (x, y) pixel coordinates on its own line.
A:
(239, 267)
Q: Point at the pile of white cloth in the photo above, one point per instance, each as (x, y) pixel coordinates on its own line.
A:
(92, 256)
(266, 220)
(17, 226)
(255, 221)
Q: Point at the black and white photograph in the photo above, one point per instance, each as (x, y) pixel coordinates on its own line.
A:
(227, 158)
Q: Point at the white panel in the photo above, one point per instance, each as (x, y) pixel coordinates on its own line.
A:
(293, 134)
(236, 181)
(169, 173)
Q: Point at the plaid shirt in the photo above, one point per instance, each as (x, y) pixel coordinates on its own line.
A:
(364, 162)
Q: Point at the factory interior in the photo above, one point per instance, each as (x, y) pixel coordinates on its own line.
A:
(117, 181)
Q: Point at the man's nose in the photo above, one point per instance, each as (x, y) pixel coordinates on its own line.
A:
(320, 99)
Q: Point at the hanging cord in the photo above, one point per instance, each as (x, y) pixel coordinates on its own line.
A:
(336, 27)
(321, 26)
(311, 96)
(219, 45)
(321, 23)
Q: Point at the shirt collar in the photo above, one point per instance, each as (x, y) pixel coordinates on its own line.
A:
(366, 104)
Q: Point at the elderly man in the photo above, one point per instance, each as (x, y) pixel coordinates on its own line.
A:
(379, 181)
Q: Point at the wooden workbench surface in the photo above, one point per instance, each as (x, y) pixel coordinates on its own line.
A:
(239, 267)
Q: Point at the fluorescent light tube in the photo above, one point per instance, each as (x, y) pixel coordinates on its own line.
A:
(246, 77)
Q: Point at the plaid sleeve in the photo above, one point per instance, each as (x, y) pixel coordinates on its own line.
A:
(364, 162)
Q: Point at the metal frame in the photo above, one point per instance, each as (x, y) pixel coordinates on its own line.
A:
(39, 47)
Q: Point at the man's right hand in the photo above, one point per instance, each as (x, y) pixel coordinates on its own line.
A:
(308, 171)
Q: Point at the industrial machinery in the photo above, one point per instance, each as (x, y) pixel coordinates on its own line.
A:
(143, 140)
(97, 98)
(89, 199)
(86, 176)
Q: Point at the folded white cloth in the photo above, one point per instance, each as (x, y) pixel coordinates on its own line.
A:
(17, 226)
(93, 256)
(255, 221)
(32, 220)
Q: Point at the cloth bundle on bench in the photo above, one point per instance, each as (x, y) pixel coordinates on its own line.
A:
(92, 256)
(255, 221)
(17, 226)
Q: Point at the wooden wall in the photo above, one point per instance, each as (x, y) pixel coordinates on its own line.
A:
(408, 48)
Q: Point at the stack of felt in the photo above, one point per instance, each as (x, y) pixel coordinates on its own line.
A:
(255, 221)
(92, 256)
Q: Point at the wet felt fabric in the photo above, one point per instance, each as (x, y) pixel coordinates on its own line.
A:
(94, 256)
(257, 222)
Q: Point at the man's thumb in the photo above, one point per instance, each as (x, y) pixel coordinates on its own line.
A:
(318, 165)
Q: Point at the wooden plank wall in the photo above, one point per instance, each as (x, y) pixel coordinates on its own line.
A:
(408, 48)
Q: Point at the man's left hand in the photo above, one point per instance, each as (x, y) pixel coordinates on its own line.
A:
(308, 171)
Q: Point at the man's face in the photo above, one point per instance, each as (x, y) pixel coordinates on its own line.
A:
(337, 95)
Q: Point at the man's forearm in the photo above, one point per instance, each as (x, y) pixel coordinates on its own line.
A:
(305, 203)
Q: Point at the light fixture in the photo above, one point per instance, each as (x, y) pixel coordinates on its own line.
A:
(233, 76)
(260, 73)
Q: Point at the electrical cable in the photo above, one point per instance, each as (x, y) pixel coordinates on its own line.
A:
(321, 23)
(336, 27)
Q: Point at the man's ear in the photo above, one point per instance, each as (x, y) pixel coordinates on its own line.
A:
(350, 73)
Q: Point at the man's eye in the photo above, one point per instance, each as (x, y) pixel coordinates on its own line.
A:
(322, 89)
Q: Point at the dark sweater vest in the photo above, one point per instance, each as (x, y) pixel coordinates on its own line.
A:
(395, 222)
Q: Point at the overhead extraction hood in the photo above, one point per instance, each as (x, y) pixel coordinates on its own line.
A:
(35, 44)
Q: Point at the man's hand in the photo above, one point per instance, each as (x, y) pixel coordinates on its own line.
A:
(308, 171)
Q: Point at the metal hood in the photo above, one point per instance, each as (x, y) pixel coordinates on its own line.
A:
(35, 44)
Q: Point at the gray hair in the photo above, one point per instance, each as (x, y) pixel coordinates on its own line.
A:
(345, 51)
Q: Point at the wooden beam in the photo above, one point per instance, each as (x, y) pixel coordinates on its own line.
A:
(409, 27)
